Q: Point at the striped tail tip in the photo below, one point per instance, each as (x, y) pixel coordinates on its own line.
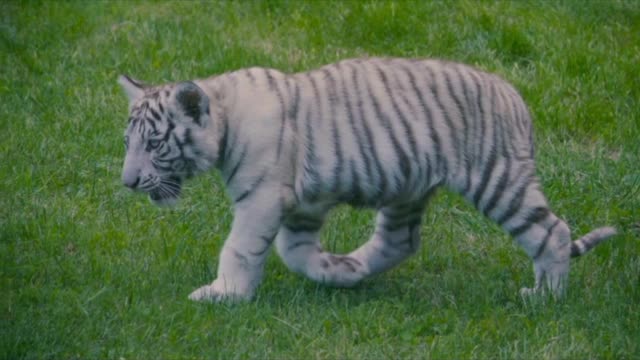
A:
(589, 241)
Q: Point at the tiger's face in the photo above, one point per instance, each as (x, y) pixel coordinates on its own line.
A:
(165, 139)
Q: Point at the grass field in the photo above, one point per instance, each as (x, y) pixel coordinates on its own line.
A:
(90, 270)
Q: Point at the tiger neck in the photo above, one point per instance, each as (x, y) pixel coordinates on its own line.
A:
(220, 91)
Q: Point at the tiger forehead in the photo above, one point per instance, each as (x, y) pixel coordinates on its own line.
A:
(146, 128)
(149, 117)
(154, 99)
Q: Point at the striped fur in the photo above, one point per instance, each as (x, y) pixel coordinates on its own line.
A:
(379, 132)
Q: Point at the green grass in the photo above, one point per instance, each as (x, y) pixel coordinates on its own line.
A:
(90, 270)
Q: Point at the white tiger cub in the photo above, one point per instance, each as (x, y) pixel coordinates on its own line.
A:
(375, 132)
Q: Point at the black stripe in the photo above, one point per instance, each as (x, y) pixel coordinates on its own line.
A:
(506, 126)
(333, 100)
(576, 251)
(465, 116)
(494, 120)
(141, 127)
(251, 189)
(545, 240)
(243, 258)
(302, 222)
(273, 86)
(239, 162)
(487, 170)
(230, 147)
(460, 107)
(293, 115)
(370, 140)
(480, 120)
(179, 144)
(155, 114)
(403, 119)
(433, 133)
(346, 260)
(486, 177)
(424, 168)
(516, 201)
(311, 159)
(188, 138)
(358, 136)
(396, 224)
(535, 216)
(156, 165)
(384, 182)
(295, 106)
(386, 124)
(136, 83)
(169, 160)
(298, 244)
(498, 188)
(490, 147)
(153, 126)
(170, 126)
(356, 197)
(222, 149)
(268, 240)
(302, 227)
(447, 118)
(400, 213)
(518, 117)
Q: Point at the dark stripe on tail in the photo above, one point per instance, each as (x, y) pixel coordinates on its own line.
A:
(589, 241)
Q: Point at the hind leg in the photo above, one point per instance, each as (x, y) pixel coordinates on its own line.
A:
(551, 240)
(298, 245)
(396, 237)
(520, 207)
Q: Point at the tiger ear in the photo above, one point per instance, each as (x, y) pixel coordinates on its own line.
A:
(190, 98)
(133, 88)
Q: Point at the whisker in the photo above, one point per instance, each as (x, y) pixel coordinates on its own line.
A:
(169, 191)
(169, 187)
(165, 193)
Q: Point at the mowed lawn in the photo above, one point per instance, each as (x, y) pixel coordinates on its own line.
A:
(90, 270)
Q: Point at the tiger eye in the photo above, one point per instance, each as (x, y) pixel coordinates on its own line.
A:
(153, 144)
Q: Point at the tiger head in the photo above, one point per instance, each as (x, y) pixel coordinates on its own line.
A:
(167, 138)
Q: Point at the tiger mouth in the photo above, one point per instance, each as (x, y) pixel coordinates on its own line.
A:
(167, 192)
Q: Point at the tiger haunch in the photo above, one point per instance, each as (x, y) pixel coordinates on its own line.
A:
(378, 132)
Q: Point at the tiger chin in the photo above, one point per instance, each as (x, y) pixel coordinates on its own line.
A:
(383, 133)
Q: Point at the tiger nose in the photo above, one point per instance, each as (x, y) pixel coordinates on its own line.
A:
(131, 182)
(130, 179)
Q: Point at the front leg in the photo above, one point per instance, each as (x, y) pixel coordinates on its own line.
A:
(240, 269)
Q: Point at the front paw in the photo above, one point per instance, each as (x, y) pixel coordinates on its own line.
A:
(218, 292)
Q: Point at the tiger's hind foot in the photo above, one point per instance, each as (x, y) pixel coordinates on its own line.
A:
(302, 253)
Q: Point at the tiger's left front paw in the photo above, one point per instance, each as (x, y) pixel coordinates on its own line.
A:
(218, 291)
